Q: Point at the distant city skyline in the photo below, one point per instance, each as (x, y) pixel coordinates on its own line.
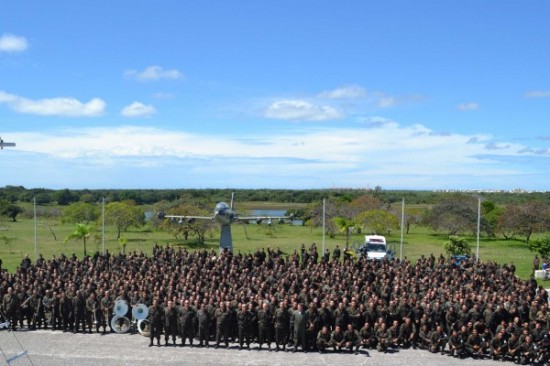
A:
(426, 95)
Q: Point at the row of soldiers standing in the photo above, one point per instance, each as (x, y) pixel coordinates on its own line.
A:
(70, 311)
(244, 324)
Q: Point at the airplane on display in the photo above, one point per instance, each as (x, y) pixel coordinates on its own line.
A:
(6, 144)
(225, 215)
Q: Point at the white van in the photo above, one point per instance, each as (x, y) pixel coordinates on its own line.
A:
(375, 248)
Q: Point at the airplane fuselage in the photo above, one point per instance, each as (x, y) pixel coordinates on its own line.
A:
(224, 214)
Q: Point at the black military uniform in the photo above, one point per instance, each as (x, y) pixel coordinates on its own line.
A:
(57, 319)
(244, 324)
(222, 328)
(156, 320)
(352, 339)
(282, 320)
(499, 346)
(204, 319)
(527, 351)
(474, 344)
(337, 338)
(186, 318)
(66, 311)
(323, 339)
(265, 321)
(170, 323)
(79, 308)
(367, 335)
(438, 340)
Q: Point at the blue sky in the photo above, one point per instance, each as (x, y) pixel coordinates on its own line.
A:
(275, 94)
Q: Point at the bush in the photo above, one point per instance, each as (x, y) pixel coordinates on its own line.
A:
(457, 245)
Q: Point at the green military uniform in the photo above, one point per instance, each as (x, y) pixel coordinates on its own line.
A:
(281, 327)
(204, 320)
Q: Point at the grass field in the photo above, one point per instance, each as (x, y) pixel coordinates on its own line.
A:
(17, 239)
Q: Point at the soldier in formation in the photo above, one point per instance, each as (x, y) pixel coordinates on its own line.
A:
(474, 309)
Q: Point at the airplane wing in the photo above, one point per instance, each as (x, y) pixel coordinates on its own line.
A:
(266, 218)
(187, 217)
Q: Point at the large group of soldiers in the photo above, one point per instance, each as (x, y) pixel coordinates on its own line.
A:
(303, 301)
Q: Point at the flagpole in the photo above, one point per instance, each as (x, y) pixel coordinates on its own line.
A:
(35, 232)
(103, 224)
(323, 241)
(402, 227)
(478, 225)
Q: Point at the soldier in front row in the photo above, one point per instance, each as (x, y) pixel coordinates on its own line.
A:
(337, 339)
(35, 312)
(186, 319)
(382, 338)
(244, 323)
(222, 326)
(156, 320)
(92, 311)
(79, 310)
(170, 323)
(352, 339)
(265, 320)
(300, 325)
(10, 306)
(66, 312)
(498, 346)
(438, 340)
(48, 306)
(105, 306)
(527, 351)
(323, 339)
(204, 320)
(368, 338)
(474, 344)
(282, 320)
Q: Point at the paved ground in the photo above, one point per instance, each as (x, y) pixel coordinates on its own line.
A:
(56, 348)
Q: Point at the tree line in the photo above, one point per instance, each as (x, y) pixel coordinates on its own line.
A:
(44, 196)
(510, 216)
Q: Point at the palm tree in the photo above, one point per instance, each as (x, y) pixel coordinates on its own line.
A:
(81, 232)
(344, 225)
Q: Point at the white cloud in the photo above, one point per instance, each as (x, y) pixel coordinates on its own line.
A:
(137, 109)
(153, 73)
(293, 158)
(386, 102)
(470, 106)
(62, 106)
(345, 92)
(12, 43)
(538, 94)
(301, 110)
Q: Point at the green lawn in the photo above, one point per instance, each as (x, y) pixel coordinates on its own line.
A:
(420, 241)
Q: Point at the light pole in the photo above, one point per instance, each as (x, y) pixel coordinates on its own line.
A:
(323, 241)
(402, 228)
(478, 225)
(35, 232)
(103, 224)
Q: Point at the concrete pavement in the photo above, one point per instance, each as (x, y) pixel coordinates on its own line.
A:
(56, 348)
